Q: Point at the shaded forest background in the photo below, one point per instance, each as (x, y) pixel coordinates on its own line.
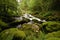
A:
(48, 10)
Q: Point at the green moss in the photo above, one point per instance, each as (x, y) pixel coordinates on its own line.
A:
(51, 26)
(32, 31)
(32, 27)
(20, 34)
(26, 26)
(12, 33)
(53, 36)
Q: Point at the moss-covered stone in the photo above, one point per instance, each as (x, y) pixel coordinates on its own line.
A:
(20, 35)
(51, 26)
(32, 27)
(12, 33)
(53, 36)
(32, 31)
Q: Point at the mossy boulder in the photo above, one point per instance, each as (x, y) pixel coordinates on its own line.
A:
(50, 26)
(32, 31)
(20, 35)
(53, 36)
(12, 34)
(32, 27)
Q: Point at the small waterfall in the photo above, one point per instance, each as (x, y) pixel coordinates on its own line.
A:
(30, 17)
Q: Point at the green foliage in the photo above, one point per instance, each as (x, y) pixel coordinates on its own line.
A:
(51, 15)
(43, 8)
(12, 33)
(55, 5)
(51, 26)
(3, 24)
(36, 5)
(8, 9)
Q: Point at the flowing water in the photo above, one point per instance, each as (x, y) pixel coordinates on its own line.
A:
(29, 17)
